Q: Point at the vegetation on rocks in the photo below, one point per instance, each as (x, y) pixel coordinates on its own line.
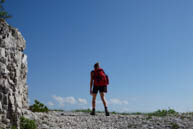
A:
(162, 113)
(174, 126)
(38, 107)
(13, 127)
(27, 124)
(3, 14)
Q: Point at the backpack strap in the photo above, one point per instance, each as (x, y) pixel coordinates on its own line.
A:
(92, 73)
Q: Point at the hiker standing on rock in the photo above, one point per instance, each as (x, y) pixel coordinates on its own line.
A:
(100, 81)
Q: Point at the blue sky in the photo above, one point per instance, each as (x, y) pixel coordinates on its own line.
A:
(145, 46)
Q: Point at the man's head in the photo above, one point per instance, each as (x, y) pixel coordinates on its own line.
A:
(96, 66)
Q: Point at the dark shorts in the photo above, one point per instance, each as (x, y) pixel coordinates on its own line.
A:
(100, 89)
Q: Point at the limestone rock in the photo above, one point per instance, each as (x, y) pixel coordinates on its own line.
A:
(13, 75)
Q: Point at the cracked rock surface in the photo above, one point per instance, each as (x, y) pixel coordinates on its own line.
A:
(13, 75)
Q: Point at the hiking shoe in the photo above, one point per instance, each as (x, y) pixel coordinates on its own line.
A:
(107, 113)
(92, 113)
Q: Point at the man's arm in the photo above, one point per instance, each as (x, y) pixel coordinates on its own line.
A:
(91, 82)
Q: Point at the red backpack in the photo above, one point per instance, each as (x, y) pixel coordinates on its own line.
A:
(100, 78)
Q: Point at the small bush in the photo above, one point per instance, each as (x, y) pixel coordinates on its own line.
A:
(137, 113)
(113, 112)
(172, 111)
(3, 14)
(27, 124)
(38, 107)
(174, 126)
(163, 113)
(13, 127)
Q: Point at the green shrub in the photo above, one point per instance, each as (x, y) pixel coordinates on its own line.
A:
(38, 107)
(163, 113)
(172, 111)
(3, 13)
(27, 124)
(174, 126)
(13, 127)
(137, 113)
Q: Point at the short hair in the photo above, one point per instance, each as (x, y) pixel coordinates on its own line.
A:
(96, 65)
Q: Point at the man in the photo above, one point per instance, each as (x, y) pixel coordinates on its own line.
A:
(100, 80)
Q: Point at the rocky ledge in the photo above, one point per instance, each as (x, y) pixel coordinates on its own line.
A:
(83, 120)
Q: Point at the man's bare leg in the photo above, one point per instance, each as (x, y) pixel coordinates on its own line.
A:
(94, 100)
(102, 94)
(93, 103)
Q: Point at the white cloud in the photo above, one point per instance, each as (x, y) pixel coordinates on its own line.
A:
(115, 104)
(59, 100)
(82, 101)
(69, 100)
(50, 104)
(118, 101)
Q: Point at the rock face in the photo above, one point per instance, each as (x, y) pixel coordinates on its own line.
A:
(13, 71)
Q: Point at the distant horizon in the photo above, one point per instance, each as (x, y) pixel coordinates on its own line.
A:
(101, 110)
(145, 47)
